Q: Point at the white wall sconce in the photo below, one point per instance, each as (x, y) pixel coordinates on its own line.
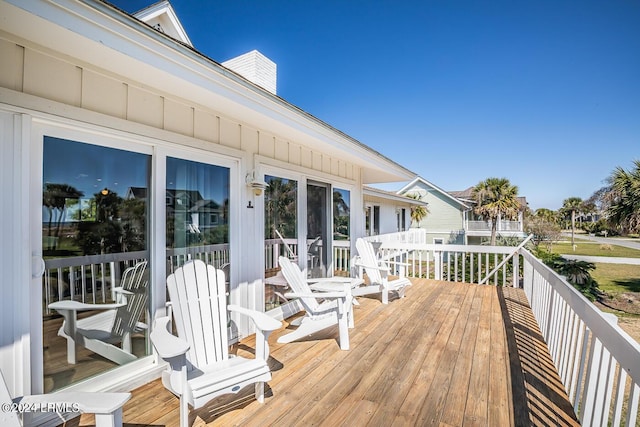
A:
(256, 186)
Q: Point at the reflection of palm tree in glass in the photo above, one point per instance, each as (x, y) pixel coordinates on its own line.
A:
(281, 208)
(54, 198)
(340, 215)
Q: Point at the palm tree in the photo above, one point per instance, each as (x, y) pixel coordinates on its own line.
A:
(623, 195)
(496, 198)
(418, 213)
(571, 206)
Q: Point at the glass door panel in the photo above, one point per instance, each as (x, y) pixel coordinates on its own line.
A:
(197, 214)
(318, 242)
(341, 231)
(281, 235)
(95, 212)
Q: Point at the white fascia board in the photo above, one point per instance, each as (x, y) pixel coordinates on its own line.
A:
(385, 195)
(95, 33)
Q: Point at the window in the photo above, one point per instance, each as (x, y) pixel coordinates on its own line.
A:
(95, 213)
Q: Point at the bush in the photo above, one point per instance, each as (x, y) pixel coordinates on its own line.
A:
(578, 273)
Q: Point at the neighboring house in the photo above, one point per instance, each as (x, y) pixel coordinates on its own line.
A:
(93, 98)
(447, 214)
(387, 212)
(451, 217)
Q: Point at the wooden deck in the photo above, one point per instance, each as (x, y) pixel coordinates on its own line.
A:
(448, 354)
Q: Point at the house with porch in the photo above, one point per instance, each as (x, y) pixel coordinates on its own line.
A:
(152, 152)
(451, 218)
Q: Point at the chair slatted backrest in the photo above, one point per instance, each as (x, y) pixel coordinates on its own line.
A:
(298, 284)
(368, 257)
(198, 300)
(135, 280)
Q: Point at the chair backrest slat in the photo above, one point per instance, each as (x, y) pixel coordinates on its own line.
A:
(297, 282)
(198, 296)
(136, 280)
(368, 257)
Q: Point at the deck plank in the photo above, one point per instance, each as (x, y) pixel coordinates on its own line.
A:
(449, 354)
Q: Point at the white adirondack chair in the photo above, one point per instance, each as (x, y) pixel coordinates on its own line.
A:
(114, 325)
(333, 310)
(377, 271)
(200, 366)
(106, 406)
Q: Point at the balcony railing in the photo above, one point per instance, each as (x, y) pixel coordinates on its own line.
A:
(598, 362)
(501, 226)
(91, 279)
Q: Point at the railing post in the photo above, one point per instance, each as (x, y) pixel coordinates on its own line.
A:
(516, 270)
(437, 264)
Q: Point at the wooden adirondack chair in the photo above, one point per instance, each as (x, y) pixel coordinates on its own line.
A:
(101, 332)
(333, 310)
(106, 406)
(200, 366)
(377, 272)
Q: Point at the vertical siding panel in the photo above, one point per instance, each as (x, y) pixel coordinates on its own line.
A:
(12, 65)
(266, 144)
(295, 154)
(335, 167)
(282, 150)
(249, 139)
(178, 117)
(229, 133)
(326, 164)
(145, 107)
(316, 160)
(206, 126)
(51, 78)
(103, 94)
(305, 157)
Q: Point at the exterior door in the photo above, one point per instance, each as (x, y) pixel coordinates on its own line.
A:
(319, 237)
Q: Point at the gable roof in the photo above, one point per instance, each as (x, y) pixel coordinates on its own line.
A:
(419, 179)
(162, 17)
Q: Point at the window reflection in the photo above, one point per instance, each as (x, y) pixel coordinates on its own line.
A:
(281, 234)
(197, 206)
(95, 245)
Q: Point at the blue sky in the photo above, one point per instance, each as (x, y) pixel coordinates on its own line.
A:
(544, 93)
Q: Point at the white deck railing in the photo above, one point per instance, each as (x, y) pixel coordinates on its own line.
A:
(598, 362)
(501, 226)
(91, 278)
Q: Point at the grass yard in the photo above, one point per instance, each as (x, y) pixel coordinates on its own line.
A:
(615, 279)
(584, 247)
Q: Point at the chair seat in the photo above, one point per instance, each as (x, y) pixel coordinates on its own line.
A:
(227, 376)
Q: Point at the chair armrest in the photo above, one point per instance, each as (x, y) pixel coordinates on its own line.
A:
(80, 306)
(121, 290)
(166, 344)
(353, 281)
(327, 295)
(261, 320)
(375, 267)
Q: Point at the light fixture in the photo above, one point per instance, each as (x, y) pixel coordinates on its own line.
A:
(256, 185)
(104, 191)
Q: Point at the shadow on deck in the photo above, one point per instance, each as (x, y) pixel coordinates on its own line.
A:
(449, 354)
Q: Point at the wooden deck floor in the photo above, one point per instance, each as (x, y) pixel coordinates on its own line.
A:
(446, 355)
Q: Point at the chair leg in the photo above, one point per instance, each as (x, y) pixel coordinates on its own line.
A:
(260, 392)
(110, 420)
(184, 411)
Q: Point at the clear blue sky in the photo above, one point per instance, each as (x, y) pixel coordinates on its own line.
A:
(544, 93)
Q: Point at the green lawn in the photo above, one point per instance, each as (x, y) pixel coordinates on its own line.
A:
(583, 247)
(615, 279)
